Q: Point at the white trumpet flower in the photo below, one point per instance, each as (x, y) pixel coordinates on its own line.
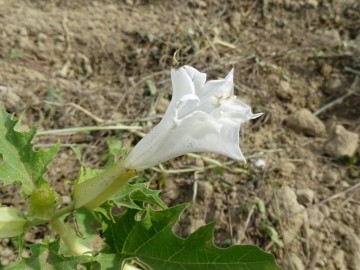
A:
(201, 117)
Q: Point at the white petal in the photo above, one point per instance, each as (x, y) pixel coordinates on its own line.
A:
(197, 77)
(230, 138)
(148, 151)
(199, 132)
(220, 88)
(182, 86)
(215, 92)
(182, 83)
(202, 132)
(234, 109)
(186, 105)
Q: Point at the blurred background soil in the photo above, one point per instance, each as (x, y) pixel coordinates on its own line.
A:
(97, 63)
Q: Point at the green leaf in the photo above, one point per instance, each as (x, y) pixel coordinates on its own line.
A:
(272, 233)
(116, 150)
(20, 163)
(86, 173)
(87, 225)
(261, 207)
(152, 88)
(46, 256)
(15, 54)
(129, 194)
(152, 242)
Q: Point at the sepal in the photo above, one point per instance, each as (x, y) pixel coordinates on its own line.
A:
(12, 223)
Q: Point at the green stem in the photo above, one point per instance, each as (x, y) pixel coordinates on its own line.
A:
(69, 237)
(62, 211)
(33, 223)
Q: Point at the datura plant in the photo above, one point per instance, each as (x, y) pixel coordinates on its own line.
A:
(114, 208)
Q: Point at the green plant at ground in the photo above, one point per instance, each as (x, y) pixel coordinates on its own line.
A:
(133, 223)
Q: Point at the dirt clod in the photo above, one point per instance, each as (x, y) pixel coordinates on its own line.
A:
(296, 262)
(305, 122)
(205, 190)
(353, 250)
(286, 168)
(284, 90)
(305, 196)
(295, 211)
(339, 259)
(330, 177)
(334, 86)
(10, 100)
(316, 217)
(341, 142)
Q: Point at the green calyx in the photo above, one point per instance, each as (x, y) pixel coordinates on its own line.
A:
(43, 203)
(95, 191)
(12, 223)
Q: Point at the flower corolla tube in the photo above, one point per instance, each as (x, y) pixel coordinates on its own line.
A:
(203, 116)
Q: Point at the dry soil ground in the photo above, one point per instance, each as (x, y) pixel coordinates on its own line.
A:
(96, 63)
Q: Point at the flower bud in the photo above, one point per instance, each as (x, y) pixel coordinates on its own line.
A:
(43, 203)
(11, 222)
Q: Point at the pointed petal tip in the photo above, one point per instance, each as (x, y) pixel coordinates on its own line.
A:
(256, 115)
(230, 75)
(242, 158)
(238, 155)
